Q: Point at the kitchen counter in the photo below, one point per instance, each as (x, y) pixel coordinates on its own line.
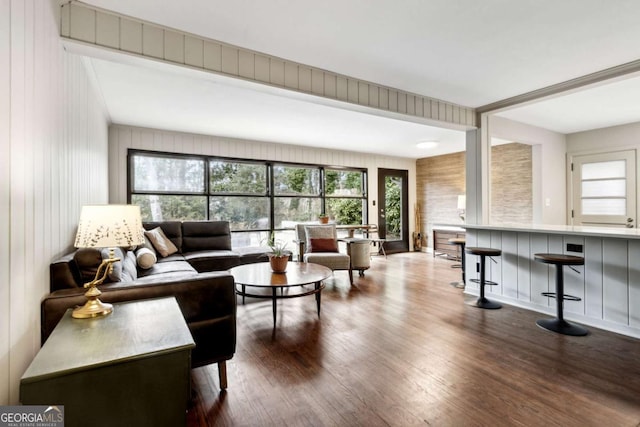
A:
(569, 230)
(608, 283)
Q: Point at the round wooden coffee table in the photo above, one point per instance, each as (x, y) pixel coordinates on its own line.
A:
(298, 275)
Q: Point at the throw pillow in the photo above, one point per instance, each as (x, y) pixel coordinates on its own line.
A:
(146, 258)
(88, 260)
(129, 270)
(323, 245)
(161, 243)
(115, 275)
(147, 244)
(318, 232)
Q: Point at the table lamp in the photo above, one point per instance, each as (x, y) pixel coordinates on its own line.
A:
(462, 206)
(105, 226)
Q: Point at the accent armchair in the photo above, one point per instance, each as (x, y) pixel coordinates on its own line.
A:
(318, 244)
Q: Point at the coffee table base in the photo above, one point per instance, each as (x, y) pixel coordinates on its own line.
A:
(317, 291)
(298, 276)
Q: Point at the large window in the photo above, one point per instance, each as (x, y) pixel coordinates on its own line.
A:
(296, 193)
(256, 197)
(239, 194)
(168, 188)
(345, 196)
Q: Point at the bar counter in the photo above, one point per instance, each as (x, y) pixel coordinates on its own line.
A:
(568, 230)
(608, 284)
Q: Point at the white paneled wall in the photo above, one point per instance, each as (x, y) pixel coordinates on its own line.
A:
(5, 190)
(54, 133)
(122, 138)
(608, 283)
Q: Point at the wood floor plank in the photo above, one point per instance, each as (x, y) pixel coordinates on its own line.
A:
(400, 348)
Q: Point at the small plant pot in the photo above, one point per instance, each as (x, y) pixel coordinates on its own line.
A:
(278, 263)
(323, 220)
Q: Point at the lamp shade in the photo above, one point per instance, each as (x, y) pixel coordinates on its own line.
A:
(108, 226)
(462, 202)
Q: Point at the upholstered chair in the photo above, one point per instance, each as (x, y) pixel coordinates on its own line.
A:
(318, 244)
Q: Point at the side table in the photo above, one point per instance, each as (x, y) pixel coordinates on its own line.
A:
(131, 367)
(359, 251)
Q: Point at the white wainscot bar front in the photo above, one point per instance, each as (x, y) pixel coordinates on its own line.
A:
(608, 283)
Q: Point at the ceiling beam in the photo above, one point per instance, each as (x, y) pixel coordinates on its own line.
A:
(609, 74)
(105, 29)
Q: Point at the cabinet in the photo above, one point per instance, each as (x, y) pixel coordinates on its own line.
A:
(441, 245)
(130, 368)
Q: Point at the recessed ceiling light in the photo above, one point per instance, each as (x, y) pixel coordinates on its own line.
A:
(427, 145)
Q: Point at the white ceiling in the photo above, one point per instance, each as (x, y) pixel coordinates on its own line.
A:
(468, 52)
(614, 103)
(187, 101)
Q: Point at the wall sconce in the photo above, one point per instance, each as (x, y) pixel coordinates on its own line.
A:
(462, 206)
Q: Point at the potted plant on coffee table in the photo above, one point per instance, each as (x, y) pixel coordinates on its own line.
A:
(323, 218)
(279, 255)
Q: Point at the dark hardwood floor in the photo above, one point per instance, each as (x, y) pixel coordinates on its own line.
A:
(401, 348)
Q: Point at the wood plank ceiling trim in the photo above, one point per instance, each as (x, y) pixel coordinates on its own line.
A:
(101, 28)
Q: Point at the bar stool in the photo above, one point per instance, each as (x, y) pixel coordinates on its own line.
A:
(558, 324)
(459, 241)
(483, 302)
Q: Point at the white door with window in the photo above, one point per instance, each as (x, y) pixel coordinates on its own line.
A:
(604, 189)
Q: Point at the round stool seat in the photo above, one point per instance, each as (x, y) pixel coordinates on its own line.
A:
(457, 241)
(483, 251)
(559, 259)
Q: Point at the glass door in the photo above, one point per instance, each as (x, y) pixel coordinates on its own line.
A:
(393, 212)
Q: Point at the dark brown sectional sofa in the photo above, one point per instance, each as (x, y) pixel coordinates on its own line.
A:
(196, 276)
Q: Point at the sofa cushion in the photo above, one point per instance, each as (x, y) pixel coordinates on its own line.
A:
(213, 260)
(171, 229)
(171, 258)
(161, 242)
(333, 260)
(205, 235)
(161, 268)
(253, 254)
(145, 258)
(64, 274)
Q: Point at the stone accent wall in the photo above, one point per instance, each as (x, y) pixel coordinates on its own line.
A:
(511, 184)
(440, 180)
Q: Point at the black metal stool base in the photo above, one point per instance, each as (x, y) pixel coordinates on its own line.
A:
(485, 303)
(486, 282)
(562, 327)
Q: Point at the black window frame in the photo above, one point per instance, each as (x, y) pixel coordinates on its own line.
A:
(269, 193)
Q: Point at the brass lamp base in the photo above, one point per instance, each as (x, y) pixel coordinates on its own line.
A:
(95, 308)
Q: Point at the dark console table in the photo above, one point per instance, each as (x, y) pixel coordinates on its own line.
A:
(441, 244)
(131, 367)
